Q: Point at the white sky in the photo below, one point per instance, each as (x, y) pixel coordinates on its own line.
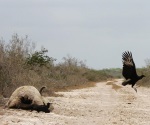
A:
(97, 31)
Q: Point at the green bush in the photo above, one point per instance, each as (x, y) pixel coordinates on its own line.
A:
(38, 58)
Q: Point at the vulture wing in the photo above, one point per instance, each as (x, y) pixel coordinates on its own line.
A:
(129, 69)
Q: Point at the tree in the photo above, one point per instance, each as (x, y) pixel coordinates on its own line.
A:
(38, 58)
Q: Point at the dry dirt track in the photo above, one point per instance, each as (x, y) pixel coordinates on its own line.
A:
(106, 104)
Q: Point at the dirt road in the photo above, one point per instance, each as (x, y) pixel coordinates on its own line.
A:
(108, 103)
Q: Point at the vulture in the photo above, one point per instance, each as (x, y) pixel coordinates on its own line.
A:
(129, 70)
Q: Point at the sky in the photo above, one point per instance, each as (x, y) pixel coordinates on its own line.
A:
(94, 31)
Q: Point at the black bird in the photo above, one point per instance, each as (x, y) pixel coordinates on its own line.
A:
(129, 70)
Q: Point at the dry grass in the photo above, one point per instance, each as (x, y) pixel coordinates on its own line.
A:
(69, 74)
(114, 86)
(145, 82)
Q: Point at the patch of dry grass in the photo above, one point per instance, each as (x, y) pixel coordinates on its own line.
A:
(114, 86)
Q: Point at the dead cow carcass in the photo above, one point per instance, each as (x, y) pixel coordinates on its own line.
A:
(28, 97)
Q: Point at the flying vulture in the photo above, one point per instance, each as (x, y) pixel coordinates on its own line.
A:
(129, 70)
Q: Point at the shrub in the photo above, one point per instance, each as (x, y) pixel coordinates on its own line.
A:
(12, 58)
(145, 71)
(21, 65)
(38, 58)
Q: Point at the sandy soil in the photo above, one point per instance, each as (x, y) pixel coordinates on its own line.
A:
(108, 103)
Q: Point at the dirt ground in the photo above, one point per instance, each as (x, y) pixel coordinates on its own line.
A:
(108, 103)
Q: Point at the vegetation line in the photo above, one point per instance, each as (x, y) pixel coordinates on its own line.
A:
(21, 64)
